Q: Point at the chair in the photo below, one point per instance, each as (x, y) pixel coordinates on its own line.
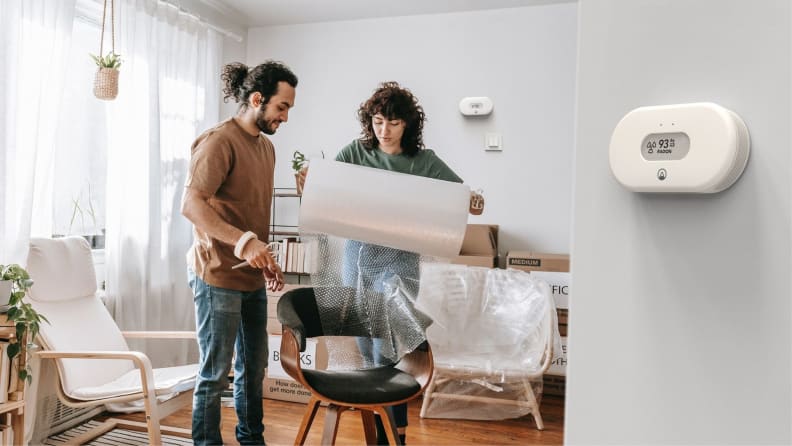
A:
(492, 328)
(94, 363)
(368, 390)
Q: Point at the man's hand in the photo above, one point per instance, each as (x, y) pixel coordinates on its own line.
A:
(258, 255)
(274, 277)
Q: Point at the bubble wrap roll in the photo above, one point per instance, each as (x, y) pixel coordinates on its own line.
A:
(385, 208)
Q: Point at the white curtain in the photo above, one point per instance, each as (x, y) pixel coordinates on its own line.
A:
(35, 36)
(169, 89)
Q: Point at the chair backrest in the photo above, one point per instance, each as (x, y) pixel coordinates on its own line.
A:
(297, 310)
(64, 291)
(484, 318)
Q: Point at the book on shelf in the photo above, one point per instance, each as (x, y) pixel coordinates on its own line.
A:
(294, 256)
(6, 434)
(5, 372)
(309, 264)
(13, 380)
(300, 258)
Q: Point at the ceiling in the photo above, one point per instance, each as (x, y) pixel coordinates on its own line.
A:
(255, 13)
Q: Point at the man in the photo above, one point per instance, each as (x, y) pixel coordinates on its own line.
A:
(228, 197)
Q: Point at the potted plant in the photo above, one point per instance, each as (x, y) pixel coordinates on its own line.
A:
(14, 283)
(299, 162)
(106, 80)
(91, 233)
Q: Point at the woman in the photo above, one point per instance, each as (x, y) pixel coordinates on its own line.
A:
(392, 124)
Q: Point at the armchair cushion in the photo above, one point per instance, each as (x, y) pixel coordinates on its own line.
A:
(169, 380)
(61, 282)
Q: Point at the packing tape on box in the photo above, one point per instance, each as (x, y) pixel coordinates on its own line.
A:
(400, 211)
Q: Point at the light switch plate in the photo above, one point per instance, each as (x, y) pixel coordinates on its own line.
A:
(493, 142)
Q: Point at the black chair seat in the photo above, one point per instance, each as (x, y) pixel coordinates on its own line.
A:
(367, 386)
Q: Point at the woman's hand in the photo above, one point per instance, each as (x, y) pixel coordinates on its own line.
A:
(301, 175)
(476, 203)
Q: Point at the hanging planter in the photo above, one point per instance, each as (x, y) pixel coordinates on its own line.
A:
(106, 79)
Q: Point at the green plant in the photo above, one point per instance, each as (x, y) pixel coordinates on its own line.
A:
(111, 60)
(26, 320)
(78, 210)
(298, 161)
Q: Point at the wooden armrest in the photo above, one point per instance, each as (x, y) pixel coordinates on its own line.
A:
(141, 361)
(138, 358)
(159, 334)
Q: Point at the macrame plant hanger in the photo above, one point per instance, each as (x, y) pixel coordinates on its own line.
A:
(106, 79)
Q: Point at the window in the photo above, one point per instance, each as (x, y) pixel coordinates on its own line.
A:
(79, 176)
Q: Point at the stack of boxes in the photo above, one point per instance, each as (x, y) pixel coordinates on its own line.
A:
(277, 384)
(553, 269)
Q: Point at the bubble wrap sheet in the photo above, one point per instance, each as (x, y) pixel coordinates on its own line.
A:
(370, 229)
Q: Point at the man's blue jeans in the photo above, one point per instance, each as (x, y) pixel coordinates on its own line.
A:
(227, 321)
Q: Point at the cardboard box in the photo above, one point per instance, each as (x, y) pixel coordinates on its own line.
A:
(563, 317)
(558, 367)
(559, 286)
(553, 269)
(554, 385)
(479, 247)
(278, 385)
(535, 261)
(273, 324)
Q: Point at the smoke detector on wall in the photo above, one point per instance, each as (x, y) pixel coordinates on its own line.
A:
(475, 106)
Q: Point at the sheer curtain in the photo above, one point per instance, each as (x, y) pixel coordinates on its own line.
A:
(168, 94)
(35, 36)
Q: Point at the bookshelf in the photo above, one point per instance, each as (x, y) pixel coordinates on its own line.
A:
(280, 231)
(13, 406)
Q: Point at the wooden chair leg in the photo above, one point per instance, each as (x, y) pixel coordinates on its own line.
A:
(308, 417)
(427, 396)
(529, 393)
(333, 415)
(152, 417)
(389, 423)
(369, 426)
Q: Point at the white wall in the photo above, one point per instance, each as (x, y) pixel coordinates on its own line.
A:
(522, 58)
(680, 317)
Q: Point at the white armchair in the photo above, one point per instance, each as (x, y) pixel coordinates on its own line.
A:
(94, 363)
(493, 330)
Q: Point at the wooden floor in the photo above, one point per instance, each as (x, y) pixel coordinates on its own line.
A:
(281, 420)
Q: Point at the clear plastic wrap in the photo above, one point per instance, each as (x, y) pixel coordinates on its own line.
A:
(493, 336)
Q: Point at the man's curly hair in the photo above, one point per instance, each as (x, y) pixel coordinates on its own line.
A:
(393, 102)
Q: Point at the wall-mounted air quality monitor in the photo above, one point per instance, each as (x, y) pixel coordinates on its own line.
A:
(478, 106)
(699, 148)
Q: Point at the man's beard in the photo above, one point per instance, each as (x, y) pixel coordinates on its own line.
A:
(265, 125)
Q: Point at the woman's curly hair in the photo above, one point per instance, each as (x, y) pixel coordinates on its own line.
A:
(393, 102)
(240, 81)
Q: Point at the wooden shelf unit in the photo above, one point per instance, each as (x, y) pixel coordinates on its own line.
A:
(15, 404)
(280, 231)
